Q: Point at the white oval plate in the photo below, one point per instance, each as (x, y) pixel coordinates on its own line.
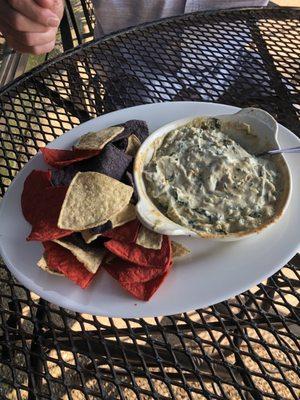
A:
(213, 272)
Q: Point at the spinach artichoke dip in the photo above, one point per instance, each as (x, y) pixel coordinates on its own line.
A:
(202, 179)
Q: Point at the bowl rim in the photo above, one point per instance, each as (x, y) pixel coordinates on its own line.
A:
(177, 229)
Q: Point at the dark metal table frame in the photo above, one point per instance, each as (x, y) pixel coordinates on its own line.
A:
(246, 347)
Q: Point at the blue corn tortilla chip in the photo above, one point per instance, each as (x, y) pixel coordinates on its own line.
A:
(63, 177)
(111, 162)
(122, 144)
(102, 228)
(77, 240)
(138, 128)
(134, 126)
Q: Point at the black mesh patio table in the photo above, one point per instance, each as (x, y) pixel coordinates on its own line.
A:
(244, 348)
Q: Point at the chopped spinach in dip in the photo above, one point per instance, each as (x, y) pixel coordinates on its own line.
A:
(202, 179)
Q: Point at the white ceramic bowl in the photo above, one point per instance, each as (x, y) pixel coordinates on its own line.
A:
(263, 128)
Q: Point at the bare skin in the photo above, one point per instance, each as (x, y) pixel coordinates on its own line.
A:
(30, 26)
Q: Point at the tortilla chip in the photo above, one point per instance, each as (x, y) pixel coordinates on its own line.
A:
(61, 158)
(133, 144)
(135, 127)
(89, 236)
(121, 218)
(44, 223)
(111, 162)
(43, 265)
(149, 239)
(125, 272)
(101, 228)
(35, 184)
(144, 290)
(127, 232)
(127, 214)
(128, 180)
(132, 127)
(139, 255)
(41, 204)
(178, 250)
(90, 256)
(63, 177)
(62, 260)
(91, 200)
(139, 281)
(97, 140)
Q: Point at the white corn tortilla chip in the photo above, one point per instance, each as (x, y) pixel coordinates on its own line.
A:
(133, 145)
(149, 239)
(97, 140)
(90, 257)
(178, 250)
(42, 263)
(127, 214)
(89, 237)
(92, 198)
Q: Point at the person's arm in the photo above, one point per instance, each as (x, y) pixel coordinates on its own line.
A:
(30, 26)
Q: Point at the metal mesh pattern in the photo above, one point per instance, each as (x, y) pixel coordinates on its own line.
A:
(244, 348)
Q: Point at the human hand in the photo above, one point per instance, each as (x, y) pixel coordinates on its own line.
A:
(30, 26)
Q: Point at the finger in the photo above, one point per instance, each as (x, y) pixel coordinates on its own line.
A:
(57, 7)
(32, 27)
(34, 12)
(21, 23)
(45, 3)
(31, 39)
(36, 50)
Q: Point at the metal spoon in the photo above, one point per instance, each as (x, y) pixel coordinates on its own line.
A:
(278, 151)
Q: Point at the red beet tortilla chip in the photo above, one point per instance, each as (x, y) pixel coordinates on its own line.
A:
(127, 232)
(35, 183)
(61, 158)
(126, 272)
(62, 260)
(41, 204)
(44, 222)
(144, 290)
(141, 256)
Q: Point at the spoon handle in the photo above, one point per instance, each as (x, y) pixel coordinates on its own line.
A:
(278, 151)
(288, 150)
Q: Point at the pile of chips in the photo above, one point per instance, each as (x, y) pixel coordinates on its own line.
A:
(83, 212)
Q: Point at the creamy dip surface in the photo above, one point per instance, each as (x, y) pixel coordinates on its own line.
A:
(202, 179)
